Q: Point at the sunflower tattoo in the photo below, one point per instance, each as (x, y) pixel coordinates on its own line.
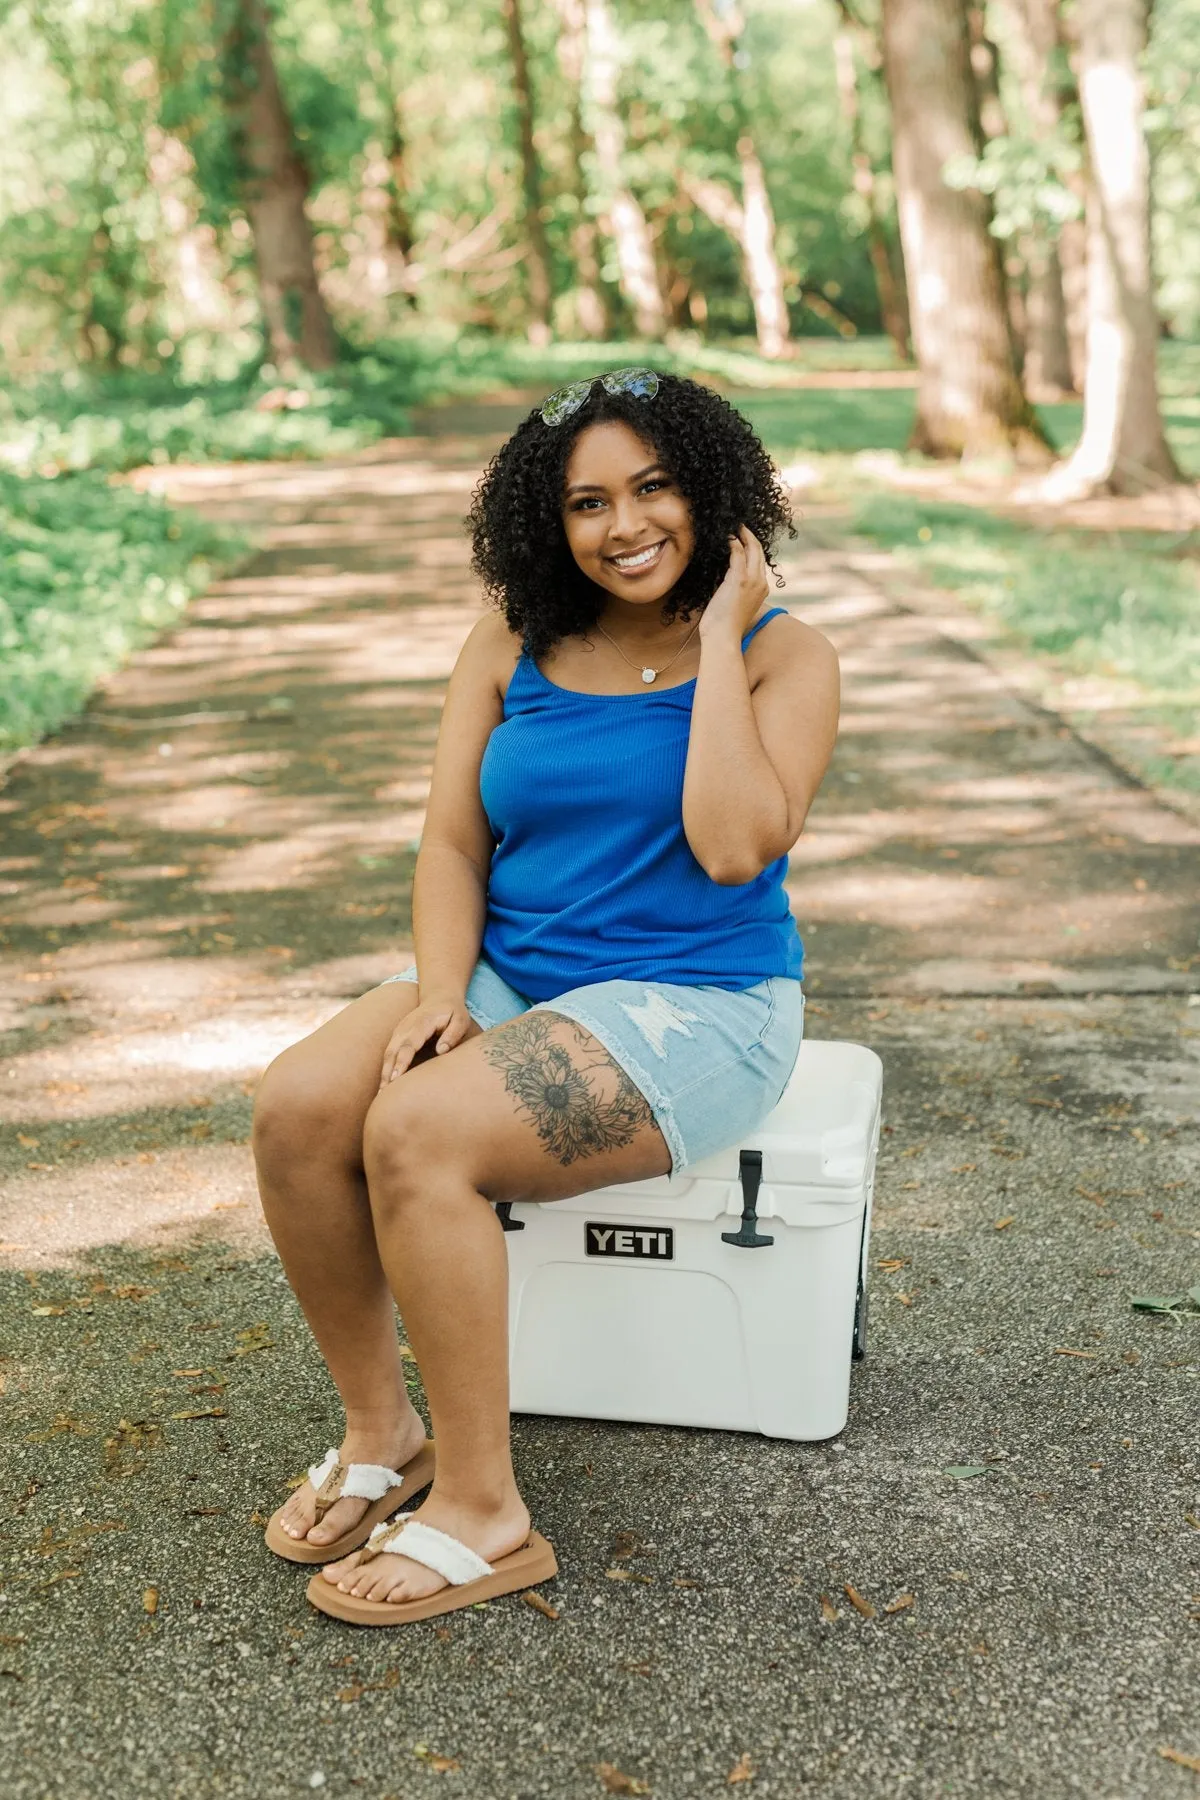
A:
(551, 1084)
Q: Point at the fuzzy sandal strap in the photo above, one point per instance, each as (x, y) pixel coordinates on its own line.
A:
(455, 1562)
(334, 1480)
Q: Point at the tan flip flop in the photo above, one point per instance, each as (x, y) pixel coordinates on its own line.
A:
(470, 1578)
(335, 1480)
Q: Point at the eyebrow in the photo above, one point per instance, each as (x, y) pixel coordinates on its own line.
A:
(594, 487)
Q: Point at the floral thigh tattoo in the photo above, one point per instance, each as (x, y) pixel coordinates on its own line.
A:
(553, 1086)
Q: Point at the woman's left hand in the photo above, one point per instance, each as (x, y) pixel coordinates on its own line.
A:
(746, 585)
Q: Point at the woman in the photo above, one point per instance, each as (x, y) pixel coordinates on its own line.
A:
(606, 984)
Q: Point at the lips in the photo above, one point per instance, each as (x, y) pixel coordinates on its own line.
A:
(632, 562)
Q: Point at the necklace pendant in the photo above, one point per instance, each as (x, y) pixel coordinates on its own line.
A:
(649, 675)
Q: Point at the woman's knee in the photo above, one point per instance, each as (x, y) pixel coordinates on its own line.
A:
(298, 1113)
(404, 1148)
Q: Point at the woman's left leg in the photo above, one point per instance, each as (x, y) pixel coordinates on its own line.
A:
(536, 1109)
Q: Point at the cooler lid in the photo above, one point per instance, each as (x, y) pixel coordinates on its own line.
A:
(822, 1133)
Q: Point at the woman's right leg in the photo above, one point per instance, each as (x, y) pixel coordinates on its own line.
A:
(308, 1125)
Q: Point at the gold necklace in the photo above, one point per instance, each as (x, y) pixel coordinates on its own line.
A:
(648, 674)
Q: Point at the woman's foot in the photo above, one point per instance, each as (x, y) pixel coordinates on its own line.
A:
(391, 1449)
(491, 1532)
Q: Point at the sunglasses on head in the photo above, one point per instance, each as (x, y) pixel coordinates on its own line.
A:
(641, 383)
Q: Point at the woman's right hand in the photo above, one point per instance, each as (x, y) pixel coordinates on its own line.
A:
(444, 1017)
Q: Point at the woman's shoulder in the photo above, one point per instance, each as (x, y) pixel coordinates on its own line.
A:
(492, 649)
(789, 645)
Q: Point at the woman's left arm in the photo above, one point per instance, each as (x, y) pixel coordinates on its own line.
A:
(755, 760)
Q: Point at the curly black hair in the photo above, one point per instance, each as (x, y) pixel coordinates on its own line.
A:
(714, 455)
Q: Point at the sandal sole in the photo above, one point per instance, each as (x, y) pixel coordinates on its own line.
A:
(535, 1561)
(417, 1473)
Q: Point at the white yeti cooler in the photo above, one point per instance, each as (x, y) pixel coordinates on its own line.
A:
(733, 1296)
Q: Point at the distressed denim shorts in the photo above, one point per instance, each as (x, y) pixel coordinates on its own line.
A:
(710, 1063)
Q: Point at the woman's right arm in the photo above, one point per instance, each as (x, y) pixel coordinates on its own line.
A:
(450, 881)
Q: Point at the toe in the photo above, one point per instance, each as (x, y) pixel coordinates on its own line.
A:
(343, 1569)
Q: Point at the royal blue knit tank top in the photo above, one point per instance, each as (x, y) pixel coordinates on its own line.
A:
(592, 878)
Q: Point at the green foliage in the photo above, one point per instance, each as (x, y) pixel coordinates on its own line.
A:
(87, 573)
(120, 422)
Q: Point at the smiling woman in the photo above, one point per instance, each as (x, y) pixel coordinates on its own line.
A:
(699, 457)
(607, 977)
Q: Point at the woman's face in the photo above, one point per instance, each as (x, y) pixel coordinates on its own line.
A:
(628, 525)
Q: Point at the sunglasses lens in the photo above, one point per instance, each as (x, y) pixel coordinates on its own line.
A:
(641, 383)
(565, 401)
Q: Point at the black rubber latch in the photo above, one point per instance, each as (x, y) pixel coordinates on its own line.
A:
(750, 1176)
(504, 1214)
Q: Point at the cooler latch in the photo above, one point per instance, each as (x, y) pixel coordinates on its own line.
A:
(750, 1176)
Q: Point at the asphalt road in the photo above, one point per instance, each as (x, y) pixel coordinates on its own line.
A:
(1006, 919)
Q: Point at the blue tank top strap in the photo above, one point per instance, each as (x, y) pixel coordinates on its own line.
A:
(759, 623)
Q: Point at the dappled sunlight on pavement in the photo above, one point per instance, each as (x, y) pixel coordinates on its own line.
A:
(219, 854)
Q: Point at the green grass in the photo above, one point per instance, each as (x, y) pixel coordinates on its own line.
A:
(88, 572)
(1117, 607)
(124, 421)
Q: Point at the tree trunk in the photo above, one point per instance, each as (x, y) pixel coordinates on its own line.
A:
(537, 259)
(591, 308)
(969, 400)
(274, 182)
(1123, 449)
(893, 299)
(756, 227)
(1057, 321)
(393, 220)
(993, 124)
(631, 234)
(1048, 371)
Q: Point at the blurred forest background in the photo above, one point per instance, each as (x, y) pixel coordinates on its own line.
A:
(944, 253)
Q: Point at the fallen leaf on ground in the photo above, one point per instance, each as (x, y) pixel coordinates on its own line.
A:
(539, 1605)
(685, 1581)
(441, 1765)
(904, 1299)
(1005, 1222)
(254, 1337)
(742, 1770)
(965, 1471)
(202, 1412)
(614, 1782)
(48, 1312)
(627, 1575)
(890, 1264)
(829, 1611)
(964, 1169)
(150, 1600)
(1179, 1756)
(900, 1603)
(1192, 1520)
(1090, 1355)
(857, 1601)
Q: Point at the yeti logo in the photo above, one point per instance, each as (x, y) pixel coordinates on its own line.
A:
(656, 1242)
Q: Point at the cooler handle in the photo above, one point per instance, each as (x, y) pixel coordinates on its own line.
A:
(750, 1176)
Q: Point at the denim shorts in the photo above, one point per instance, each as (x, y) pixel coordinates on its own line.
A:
(710, 1063)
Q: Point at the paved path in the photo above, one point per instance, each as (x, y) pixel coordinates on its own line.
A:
(214, 860)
